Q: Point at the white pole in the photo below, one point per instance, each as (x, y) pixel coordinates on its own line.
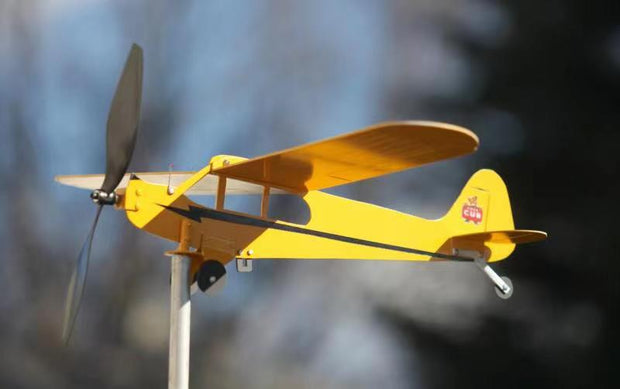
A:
(180, 318)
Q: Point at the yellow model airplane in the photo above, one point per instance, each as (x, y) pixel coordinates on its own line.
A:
(479, 226)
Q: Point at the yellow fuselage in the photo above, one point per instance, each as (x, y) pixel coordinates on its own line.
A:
(338, 228)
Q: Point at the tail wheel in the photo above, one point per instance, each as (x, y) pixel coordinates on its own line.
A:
(502, 295)
(211, 277)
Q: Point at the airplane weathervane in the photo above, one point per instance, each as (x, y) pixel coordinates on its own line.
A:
(478, 228)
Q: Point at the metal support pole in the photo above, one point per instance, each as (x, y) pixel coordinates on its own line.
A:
(180, 313)
(180, 319)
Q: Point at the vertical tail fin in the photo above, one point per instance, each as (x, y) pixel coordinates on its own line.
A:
(481, 228)
(483, 205)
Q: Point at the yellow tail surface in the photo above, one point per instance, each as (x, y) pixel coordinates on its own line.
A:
(481, 218)
(483, 205)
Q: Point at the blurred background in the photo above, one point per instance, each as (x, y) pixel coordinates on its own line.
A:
(537, 81)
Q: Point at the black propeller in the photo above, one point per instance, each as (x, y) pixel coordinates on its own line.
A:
(122, 129)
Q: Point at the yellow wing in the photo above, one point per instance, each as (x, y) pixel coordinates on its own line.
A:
(375, 151)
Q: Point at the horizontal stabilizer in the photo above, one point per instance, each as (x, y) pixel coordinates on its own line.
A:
(503, 237)
(499, 243)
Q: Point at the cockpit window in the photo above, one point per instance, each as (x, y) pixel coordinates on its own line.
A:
(289, 208)
(251, 199)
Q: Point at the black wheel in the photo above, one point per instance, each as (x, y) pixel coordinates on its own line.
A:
(211, 277)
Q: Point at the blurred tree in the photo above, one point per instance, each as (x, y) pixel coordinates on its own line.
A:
(556, 78)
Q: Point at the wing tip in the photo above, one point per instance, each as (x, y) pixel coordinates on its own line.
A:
(435, 125)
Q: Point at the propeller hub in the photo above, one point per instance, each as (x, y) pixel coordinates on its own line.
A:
(102, 198)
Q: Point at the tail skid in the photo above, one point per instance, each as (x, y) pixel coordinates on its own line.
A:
(503, 285)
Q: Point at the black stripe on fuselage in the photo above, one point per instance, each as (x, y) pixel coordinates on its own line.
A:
(197, 213)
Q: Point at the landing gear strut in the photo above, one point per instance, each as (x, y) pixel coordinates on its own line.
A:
(503, 285)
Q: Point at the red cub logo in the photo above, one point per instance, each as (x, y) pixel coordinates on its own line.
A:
(471, 211)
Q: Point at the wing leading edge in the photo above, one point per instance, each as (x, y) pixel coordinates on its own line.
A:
(206, 186)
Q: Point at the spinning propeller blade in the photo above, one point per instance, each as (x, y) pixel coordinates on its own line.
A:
(78, 279)
(122, 129)
(122, 126)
